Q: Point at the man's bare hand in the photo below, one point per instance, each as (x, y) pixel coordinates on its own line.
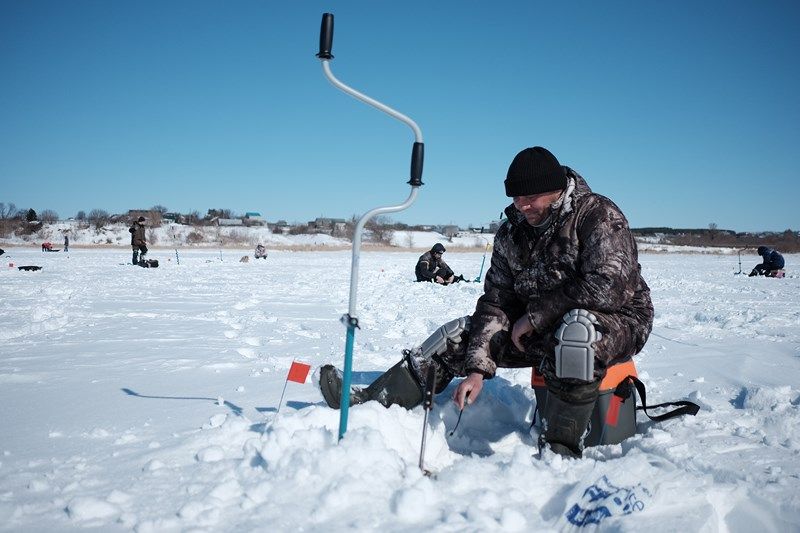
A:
(439, 279)
(522, 328)
(472, 386)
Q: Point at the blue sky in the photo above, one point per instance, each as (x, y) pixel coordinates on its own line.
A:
(683, 113)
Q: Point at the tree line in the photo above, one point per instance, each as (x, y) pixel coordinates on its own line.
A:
(784, 241)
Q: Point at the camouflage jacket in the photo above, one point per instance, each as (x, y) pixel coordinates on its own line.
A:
(586, 258)
(137, 234)
(428, 266)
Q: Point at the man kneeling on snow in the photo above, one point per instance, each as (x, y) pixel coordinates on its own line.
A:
(431, 266)
(563, 294)
(772, 267)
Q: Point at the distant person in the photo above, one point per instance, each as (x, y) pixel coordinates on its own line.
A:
(47, 246)
(261, 252)
(138, 242)
(431, 266)
(772, 267)
(66, 243)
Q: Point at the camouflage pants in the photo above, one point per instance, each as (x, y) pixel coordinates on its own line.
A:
(622, 338)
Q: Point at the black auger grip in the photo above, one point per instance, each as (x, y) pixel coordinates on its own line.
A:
(430, 387)
(326, 37)
(417, 159)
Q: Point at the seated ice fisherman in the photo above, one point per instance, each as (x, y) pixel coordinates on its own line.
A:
(261, 252)
(564, 294)
(431, 266)
(772, 267)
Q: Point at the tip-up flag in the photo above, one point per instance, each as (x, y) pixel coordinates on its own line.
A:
(298, 372)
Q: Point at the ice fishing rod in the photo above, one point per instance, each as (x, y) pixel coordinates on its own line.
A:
(417, 156)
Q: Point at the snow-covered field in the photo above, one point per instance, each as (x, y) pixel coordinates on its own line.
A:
(146, 399)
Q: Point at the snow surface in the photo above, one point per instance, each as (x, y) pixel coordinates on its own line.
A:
(145, 399)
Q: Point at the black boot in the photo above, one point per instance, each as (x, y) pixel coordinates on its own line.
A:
(566, 416)
(404, 382)
(135, 260)
(396, 386)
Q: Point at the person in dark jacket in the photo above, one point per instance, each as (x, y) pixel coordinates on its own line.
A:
(564, 294)
(138, 243)
(431, 266)
(66, 242)
(773, 264)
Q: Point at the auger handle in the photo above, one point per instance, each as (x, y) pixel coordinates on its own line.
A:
(326, 37)
(430, 387)
(417, 159)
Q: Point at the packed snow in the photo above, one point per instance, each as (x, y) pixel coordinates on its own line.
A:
(147, 400)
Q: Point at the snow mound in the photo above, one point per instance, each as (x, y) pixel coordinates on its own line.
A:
(85, 508)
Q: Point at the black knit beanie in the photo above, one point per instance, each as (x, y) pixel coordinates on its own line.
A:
(533, 171)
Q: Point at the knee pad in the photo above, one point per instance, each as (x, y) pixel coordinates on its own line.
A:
(436, 343)
(575, 349)
(439, 343)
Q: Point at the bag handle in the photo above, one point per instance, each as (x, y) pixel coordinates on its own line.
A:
(685, 407)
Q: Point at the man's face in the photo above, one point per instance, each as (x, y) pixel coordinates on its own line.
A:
(536, 207)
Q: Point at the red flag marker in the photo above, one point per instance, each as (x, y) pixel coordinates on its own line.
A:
(298, 372)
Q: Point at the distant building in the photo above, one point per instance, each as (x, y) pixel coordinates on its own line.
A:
(153, 217)
(494, 225)
(329, 226)
(253, 218)
(449, 231)
(280, 227)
